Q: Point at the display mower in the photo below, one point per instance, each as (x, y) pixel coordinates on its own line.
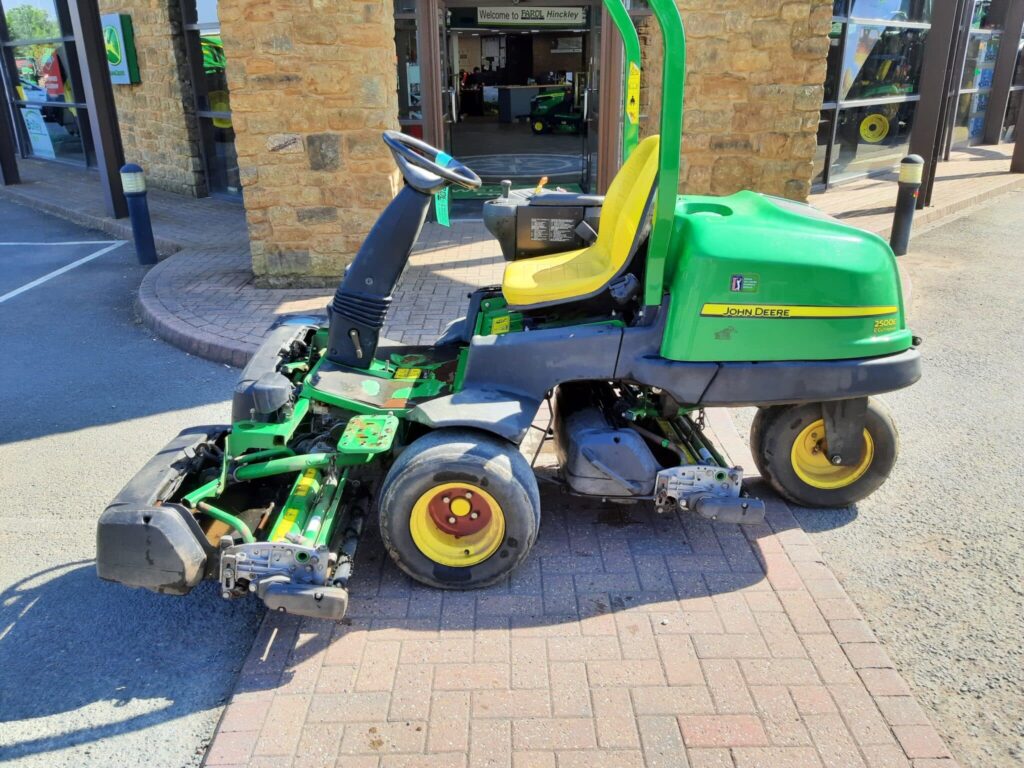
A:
(674, 304)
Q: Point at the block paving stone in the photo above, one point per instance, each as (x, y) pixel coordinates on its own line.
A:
(627, 675)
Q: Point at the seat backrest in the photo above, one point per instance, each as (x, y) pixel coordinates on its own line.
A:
(625, 203)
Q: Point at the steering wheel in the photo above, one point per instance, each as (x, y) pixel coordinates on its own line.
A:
(410, 151)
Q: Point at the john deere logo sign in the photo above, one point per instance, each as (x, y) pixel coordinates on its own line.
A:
(113, 42)
(119, 42)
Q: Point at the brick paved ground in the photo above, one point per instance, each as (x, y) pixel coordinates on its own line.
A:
(625, 639)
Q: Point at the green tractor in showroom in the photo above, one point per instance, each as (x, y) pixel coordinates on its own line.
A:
(674, 304)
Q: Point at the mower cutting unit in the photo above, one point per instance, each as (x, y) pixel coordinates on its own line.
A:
(627, 331)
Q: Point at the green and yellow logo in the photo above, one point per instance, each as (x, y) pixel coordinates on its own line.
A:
(112, 42)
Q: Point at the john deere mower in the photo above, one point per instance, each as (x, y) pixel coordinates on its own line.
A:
(675, 304)
(556, 112)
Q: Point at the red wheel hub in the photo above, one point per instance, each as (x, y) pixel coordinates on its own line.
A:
(459, 512)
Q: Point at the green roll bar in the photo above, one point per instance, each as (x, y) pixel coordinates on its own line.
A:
(673, 85)
(630, 75)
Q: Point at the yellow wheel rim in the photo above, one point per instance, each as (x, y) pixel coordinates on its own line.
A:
(811, 463)
(538, 126)
(457, 524)
(874, 128)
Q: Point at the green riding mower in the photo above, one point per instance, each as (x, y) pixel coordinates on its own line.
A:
(624, 335)
(556, 112)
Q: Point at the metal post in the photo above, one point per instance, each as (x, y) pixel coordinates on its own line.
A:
(926, 138)
(133, 181)
(99, 96)
(1017, 164)
(8, 152)
(1002, 77)
(8, 146)
(911, 173)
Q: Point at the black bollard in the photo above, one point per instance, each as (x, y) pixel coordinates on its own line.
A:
(133, 182)
(911, 173)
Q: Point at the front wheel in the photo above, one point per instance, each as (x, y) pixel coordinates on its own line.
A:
(791, 450)
(459, 509)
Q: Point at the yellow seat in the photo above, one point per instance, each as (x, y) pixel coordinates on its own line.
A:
(579, 274)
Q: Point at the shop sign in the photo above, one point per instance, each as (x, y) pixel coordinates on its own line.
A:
(38, 135)
(119, 41)
(532, 16)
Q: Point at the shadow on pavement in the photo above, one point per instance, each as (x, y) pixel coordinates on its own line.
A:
(597, 568)
(134, 659)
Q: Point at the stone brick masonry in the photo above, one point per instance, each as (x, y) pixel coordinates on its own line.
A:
(156, 116)
(755, 70)
(313, 83)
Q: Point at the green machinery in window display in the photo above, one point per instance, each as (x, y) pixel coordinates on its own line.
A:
(619, 336)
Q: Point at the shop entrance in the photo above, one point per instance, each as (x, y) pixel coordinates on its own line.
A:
(520, 94)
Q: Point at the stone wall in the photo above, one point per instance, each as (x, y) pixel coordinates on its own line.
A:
(156, 115)
(313, 84)
(755, 70)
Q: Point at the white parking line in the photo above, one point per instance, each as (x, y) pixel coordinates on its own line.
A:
(69, 242)
(62, 270)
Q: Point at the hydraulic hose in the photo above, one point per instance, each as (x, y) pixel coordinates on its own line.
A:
(228, 519)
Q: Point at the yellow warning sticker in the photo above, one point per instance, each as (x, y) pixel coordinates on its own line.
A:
(788, 312)
(302, 489)
(408, 373)
(633, 94)
(501, 324)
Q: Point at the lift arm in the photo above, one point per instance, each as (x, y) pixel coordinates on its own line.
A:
(630, 77)
(673, 76)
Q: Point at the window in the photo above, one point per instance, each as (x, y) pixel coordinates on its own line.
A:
(212, 100)
(872, 86)
(983, 43)
(410, 83)
(42, 82)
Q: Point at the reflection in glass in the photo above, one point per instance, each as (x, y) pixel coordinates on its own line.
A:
(1018, 73)
(833, 66)
(838, 7)
(893, 10)
(405, 7)
(821, 150)
(35, 20)
(969, 125)
(1012, 113)
(983, 17)
(206, 12)
(214, 93)
(43, 73)
(871, 138)
(409, 95)
(881, 62)
(221, 158)
(53, 133)
(981, 61)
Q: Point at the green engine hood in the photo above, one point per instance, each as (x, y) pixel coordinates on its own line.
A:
(755, 278)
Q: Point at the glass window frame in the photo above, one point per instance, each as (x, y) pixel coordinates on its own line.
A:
(8, 75)
(831, 109)
(192, 32)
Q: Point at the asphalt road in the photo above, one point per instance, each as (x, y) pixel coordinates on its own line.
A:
(93, 673)
(935, 558)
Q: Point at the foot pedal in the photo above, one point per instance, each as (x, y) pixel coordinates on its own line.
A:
(723, 509)
(368, 434)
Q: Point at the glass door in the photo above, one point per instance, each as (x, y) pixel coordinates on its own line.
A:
(590, 104)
